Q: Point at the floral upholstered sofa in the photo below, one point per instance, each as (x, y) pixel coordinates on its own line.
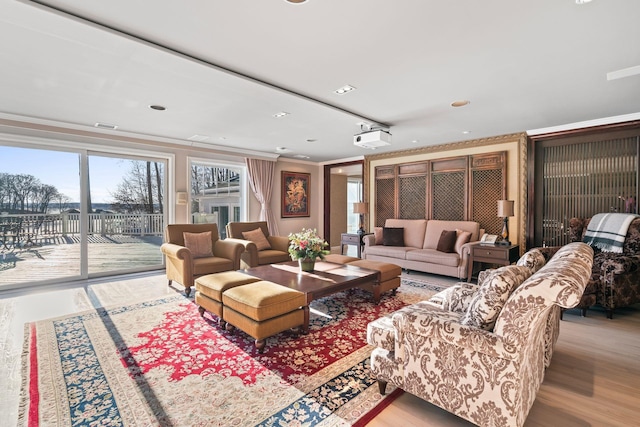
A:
(480, 351)
(615, 277)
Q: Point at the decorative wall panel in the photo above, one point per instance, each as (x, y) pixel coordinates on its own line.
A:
(449, 193)
(412, 197)
(487, 190)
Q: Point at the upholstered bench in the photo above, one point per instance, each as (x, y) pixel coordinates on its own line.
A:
(388, 277)
(209, 289)
(262, 309)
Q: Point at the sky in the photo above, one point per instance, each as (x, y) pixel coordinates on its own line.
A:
(61, 169)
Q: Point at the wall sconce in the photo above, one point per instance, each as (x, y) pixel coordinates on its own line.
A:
(505, 210)
(361, 208)
(181, 198)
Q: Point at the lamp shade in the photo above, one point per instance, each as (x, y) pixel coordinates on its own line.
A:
(360, 208)
(505, 208)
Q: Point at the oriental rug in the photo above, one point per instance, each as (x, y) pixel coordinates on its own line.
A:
(158, 362)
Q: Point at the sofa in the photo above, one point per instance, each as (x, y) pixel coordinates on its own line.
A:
(419, 247)
(480, 351)
(276, 248)
(615, 277)
(186, 261)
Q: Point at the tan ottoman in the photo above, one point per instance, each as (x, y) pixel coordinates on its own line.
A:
(262, 309)
(388, 277)
(209, 289)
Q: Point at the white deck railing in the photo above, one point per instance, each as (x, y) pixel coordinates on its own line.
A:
(32, 227)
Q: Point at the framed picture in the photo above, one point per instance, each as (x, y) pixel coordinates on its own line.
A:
(295, 194)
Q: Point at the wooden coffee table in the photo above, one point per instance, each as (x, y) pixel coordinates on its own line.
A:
(327, 278)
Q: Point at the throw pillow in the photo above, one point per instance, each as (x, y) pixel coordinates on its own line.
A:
(257, 237)
(393, 236)
(462, 238)
(198, 243)
(377, 234)
(458, 297)
(533, 259)
(447, 241)
(492, 294)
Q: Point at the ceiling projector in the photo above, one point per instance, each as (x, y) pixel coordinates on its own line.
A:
(372, 139)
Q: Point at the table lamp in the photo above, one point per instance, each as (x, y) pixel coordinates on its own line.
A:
(361, 208)
(505, 210)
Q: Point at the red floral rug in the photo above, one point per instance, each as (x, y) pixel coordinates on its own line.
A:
(160, 363)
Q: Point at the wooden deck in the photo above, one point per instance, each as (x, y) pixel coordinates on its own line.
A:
(59, 257)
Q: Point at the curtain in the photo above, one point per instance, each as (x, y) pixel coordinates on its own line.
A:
(261, 176)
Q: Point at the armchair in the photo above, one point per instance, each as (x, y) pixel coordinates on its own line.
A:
(489, 376)
(615, 277)
(181, 264)
(251, 256)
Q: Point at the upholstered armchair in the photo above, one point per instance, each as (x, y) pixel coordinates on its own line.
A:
(259, 247)
(486, 370)
(615, 277)
(190, 252)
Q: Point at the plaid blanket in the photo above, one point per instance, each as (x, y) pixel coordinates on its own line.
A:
(607, 231)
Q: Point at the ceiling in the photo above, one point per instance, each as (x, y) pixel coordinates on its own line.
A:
(224, 68)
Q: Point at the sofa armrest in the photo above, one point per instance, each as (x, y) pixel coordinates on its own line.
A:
(616, 266)
(176, 251)
(279, 243)
(436, 324)
(229, 250)
(368, 240)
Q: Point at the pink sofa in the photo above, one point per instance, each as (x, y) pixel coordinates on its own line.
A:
(419, 252)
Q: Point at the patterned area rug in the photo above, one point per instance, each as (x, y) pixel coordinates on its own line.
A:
(159, 363)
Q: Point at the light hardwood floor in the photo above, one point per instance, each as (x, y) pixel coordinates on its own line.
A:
(593, 380)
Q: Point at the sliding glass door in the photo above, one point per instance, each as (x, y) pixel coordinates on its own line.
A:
(67, 215)
(125, 213)
(39, 207)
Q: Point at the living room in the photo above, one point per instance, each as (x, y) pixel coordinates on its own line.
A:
(88, 81)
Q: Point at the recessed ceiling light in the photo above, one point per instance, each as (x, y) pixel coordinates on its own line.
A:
(310, 140)
(466, 132)
(301, 156)
(583, 1)
(158, 107)
(295, 1)
(460, 103)
(415, 141)
(282, 150)
(105, 126)
(280, 114)
(344, 89)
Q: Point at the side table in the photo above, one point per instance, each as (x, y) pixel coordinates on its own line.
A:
(352, 239)
(492, 254)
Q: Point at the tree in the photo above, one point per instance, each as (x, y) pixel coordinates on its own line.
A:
(135, 194)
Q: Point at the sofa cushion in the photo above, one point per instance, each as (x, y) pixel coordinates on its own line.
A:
(492, 294)
(413, 230)
(447, 241)
(433, 256)
(393, 236)
(435, 227)
(199, 244)
(534, 260)
(462, 238)
(257, 237)
(398, 252)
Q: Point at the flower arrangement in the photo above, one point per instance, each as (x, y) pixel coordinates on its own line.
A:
(307, 245)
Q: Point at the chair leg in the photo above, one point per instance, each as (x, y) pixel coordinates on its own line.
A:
(610, 313)
(382, 386)
(584, 311)
(170, 281)
(187, 290)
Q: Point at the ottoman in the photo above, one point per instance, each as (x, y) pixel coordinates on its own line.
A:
(209, 289)
(388, 277)
(262, 309)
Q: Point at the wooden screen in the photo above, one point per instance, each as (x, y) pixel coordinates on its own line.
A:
(582, 179)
